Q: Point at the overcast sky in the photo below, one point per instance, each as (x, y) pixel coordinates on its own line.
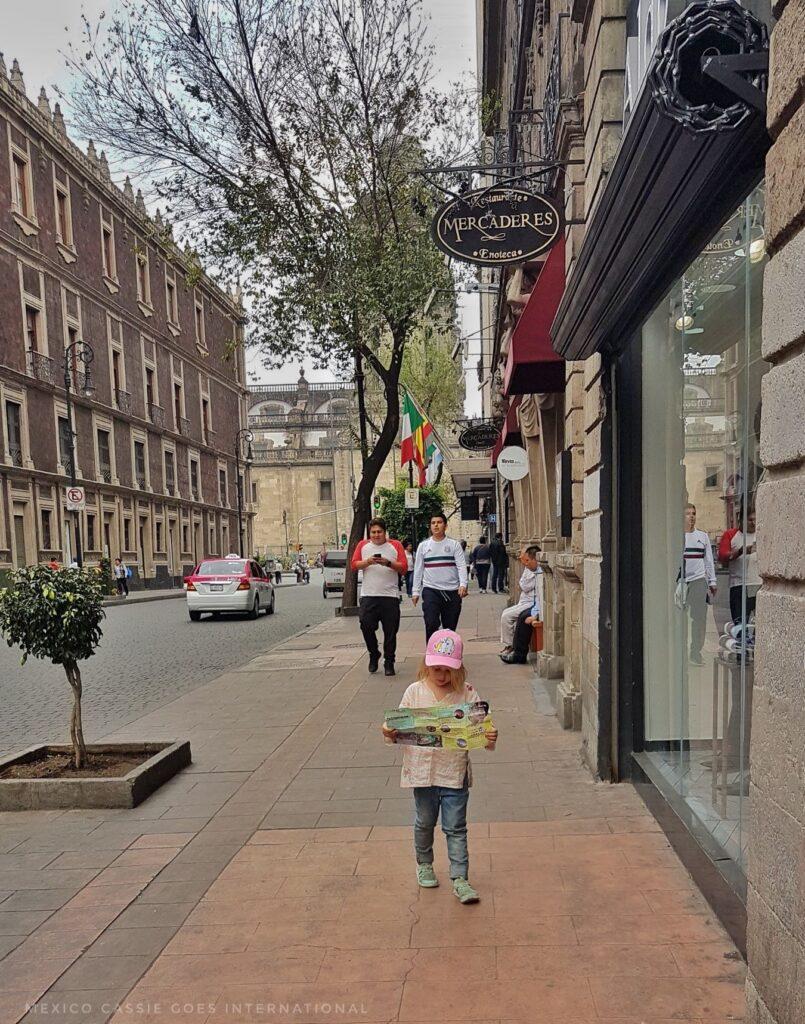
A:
(34, 31)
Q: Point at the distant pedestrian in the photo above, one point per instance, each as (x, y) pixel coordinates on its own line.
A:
(383, 562)
(499, 559)
(409, 564)
(120, 572)
(481, 559)
(54, 564)
(440, 576)
(440, 778)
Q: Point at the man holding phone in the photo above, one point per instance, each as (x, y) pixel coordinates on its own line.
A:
(382, 561)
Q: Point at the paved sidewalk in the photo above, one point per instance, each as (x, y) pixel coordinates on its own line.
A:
(139, 596)
(273, 880)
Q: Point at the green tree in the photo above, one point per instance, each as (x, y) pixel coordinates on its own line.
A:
(287, 133)
(55, 614)
(432, 498)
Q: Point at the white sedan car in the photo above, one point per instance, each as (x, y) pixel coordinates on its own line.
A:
(230, 584)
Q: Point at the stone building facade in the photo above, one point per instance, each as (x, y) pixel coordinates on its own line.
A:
(306, 464)
(776, 899)
(680, 324)
(84, 269)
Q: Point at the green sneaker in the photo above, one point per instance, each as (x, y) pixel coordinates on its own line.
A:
(464, 891)
(426, 876)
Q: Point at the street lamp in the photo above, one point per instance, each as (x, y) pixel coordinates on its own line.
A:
(244, 434)
(75, 352)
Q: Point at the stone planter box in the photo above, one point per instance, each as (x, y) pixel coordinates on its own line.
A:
(126, 791)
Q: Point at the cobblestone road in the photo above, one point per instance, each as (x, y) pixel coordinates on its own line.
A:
(150, 654)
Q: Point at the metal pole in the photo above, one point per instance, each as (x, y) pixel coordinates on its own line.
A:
(240, 494)
(413, 514)
(79, 552)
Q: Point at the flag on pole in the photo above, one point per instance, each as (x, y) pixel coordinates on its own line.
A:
(435, 460)
(416, 434)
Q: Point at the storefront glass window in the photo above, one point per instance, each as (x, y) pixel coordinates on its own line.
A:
(702, 372)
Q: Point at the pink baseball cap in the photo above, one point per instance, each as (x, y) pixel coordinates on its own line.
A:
(444, 648)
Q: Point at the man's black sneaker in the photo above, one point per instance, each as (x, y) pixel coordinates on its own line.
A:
(389, 670)
(513, 659)
(373, 662)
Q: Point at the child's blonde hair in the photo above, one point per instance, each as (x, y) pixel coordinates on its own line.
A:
(458, 676)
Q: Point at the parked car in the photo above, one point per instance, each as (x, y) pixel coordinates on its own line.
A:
(334, 572)
(230, 584)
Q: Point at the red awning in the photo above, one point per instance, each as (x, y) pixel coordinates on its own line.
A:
(533, 367)
(511, 428)
(510, 434)
(496, 451)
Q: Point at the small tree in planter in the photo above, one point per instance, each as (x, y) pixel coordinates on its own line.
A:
(55, 614)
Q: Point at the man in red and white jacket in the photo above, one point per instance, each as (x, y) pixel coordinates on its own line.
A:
(383, 561)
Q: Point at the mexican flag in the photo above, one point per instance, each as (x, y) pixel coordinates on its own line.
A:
(416, 437)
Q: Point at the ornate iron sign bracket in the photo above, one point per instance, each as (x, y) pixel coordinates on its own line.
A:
(726, 69)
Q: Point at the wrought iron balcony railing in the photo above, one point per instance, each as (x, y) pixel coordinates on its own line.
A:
(105, 473)
(156, 414)
(184, 426)
(123, 400)
(15, 451)
(42, 367)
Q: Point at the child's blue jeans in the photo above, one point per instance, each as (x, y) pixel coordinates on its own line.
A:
(429, 800)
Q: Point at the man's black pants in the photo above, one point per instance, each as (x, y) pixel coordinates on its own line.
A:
(441, 609)
(375, 611)
(498, 577)
(523, 632)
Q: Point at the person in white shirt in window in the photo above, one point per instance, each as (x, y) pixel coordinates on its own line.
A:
(700, 580)
(743, 570)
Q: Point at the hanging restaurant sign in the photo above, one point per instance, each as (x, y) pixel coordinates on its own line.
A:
(479, 437)
(496, 226)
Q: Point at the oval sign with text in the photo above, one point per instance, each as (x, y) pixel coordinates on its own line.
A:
(479, 437)
(492, 227)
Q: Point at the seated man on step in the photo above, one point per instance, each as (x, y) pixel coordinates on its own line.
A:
(528, 597)
(523, 632)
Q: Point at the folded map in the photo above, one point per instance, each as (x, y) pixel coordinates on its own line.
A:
(456, 727)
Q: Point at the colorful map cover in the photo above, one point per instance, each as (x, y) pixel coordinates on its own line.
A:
(456, 727)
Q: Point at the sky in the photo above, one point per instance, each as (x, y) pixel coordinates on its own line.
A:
(35, 31)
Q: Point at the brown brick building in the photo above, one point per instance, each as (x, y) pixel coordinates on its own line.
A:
(81, 261)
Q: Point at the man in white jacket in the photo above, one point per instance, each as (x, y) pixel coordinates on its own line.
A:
(700, 581)
(440, 576)
(528, 596)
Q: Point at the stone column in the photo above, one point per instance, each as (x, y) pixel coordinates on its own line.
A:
(775, 985)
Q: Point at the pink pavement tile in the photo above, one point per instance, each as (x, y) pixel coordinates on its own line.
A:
(356, 932)
(709, 960)
(313, 835)
(540, 1001)
(514, 962)
(634, 823)
(618, 996)
(367, 1002)
(392, 887)
(649, 928)
(225, 912)
(516, 829)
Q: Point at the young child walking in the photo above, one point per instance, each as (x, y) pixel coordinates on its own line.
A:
(440, 778)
